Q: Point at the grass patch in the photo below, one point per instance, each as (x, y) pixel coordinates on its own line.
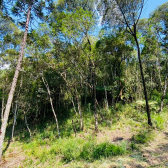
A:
(92, 152)
(160, 119)
(143, 136)
(45, 149)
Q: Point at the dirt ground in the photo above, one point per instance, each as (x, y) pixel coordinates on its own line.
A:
(153, 154)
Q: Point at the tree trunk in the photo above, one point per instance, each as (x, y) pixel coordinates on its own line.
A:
(74, 106)
(95, 107)
(107, 106)
(94, 85)
(16, 107)
(160, 76)
(101, 115)
(27, 123)
(14, 120)
(80, 112)
(14, 82)
(164, 93)
(143, 81)
(49, 93)
(74, 128)
(2, 110)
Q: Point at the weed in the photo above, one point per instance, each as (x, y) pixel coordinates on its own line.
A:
(87, 151)
(160, 119)
(91, 151)
(143, 137)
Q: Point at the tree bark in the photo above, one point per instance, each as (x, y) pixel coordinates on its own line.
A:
(74, 128)
(100, 112)
(14, 82)
(94, 86)
(27, 123)
(14, 120)
(74, 106)
(164, 93)
(95, 107)
(160, 76)
(49, 93)
(143, 80)
(107, 106)
(16, 108)
(163, 88)
(80, 112)
(2, 110)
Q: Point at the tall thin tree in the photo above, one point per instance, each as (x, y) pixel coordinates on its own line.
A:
(14, 82)
(127, 13)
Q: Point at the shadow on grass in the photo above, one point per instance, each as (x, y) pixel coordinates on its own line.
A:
(7, 146)
(7, 138)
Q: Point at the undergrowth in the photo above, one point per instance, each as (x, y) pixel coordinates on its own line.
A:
(46, 148)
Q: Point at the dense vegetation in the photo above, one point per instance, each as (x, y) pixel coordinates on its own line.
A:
(84, 67)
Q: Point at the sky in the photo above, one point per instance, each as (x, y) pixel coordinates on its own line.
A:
(150, 6)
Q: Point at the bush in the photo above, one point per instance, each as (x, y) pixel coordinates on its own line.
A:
(70, 149)
(91, 151)
(106, 150)
(160, 119)
(87, 152)
(144, 137)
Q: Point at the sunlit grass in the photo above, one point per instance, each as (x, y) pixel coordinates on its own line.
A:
(45, 149)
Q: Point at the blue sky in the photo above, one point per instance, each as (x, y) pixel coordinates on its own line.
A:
(150, 6)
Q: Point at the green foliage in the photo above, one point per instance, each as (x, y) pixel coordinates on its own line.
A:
(71, 149)
(106, 150)
(160, 119)
(67, 50)
(87, 151)
(144, 136)
(156, 96)
(91, 151)
(152, 104)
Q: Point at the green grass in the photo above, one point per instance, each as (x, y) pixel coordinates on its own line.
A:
(45, 148)
(92, 152)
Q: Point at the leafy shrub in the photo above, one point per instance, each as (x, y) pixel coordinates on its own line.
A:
(156, 96)
(99, 151)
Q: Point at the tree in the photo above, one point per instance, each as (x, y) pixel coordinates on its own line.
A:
(127, 13)
(19, 9)
(12, 90)
(75, 34)
(159, 20)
